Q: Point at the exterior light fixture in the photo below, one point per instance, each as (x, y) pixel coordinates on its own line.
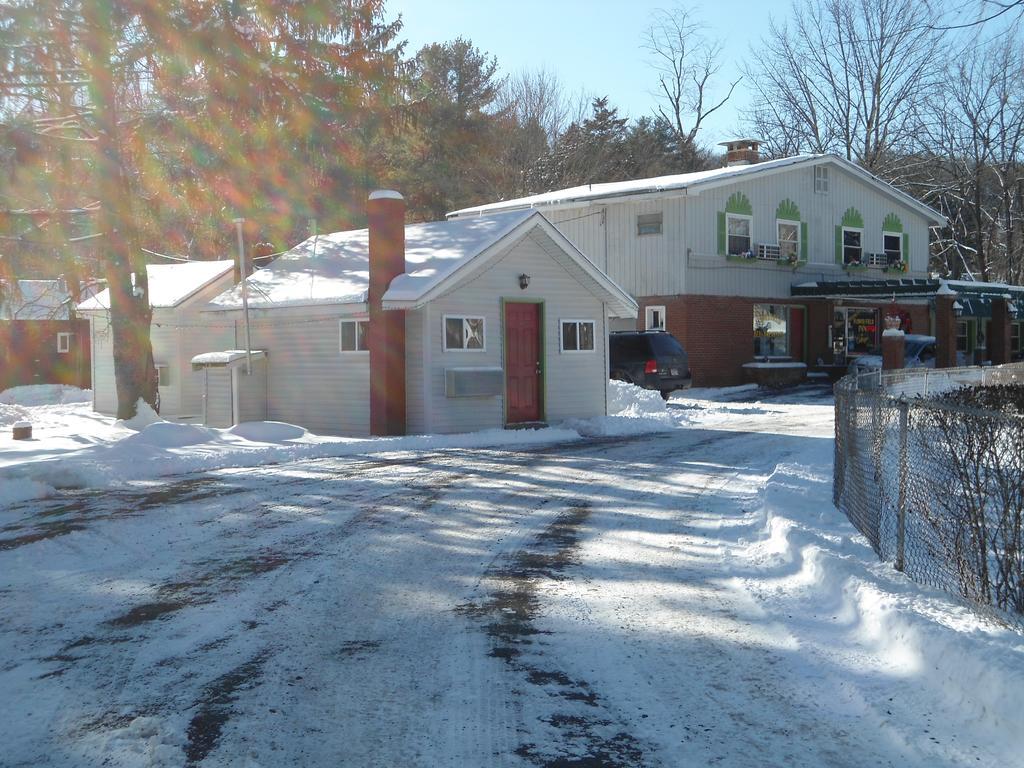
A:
(958, 308)
(524, 281)
(1011, 308)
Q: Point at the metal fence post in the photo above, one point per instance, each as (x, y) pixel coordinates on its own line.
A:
(901, 511)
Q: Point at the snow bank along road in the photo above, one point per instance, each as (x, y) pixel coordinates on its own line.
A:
(632, 601)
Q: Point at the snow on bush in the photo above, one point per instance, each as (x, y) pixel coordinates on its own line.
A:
(45, 394)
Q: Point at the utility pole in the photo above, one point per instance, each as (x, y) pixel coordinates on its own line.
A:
(245, 294)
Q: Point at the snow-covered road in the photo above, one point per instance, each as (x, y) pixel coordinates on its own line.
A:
(613, 602)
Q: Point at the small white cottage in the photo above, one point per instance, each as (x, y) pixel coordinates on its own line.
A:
(448, 326)
(176, 292)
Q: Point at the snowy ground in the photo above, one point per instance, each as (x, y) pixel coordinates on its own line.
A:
(686, 596)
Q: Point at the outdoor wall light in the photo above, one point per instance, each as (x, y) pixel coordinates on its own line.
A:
(958, 308)
(1011, 308)
(524, 281)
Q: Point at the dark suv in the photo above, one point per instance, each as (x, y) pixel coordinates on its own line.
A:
(649, 359)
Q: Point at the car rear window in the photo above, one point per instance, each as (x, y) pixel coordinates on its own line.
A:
(628, 347)
(665, 345)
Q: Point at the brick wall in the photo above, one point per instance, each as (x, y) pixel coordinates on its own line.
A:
(718, 334)
(28, 353)
(716, 331)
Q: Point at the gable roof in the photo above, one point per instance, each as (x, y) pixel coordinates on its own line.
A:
(169, 284)
(688, 184)
(334, 269)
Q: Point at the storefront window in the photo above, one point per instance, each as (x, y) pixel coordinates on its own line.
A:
(854, 331)
(771, 330)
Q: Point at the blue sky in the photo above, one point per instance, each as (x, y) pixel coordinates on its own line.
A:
(594, 47)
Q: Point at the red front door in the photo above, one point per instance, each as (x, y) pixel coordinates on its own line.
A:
(522, 362)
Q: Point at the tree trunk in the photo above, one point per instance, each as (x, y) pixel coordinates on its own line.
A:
(127, 281)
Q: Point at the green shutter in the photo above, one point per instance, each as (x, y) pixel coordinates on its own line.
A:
(906, 250)
(721, 233)
(803, 241)
(839, 245)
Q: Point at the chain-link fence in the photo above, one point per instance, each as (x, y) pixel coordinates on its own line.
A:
(929, 466)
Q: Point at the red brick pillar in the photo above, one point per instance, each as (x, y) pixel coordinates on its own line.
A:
(945, 328)
(999, 336)
(893, 349)
(386, 332)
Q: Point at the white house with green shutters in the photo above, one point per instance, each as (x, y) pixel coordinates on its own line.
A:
(709, 255)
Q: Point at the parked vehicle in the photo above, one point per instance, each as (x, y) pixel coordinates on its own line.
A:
(649, 359)
(918, 352)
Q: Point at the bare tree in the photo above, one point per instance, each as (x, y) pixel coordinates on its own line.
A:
(974, 145)
(687, 61)
(846, 77)
(536, 111)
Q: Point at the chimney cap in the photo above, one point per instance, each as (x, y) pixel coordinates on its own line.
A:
(729, 144)
(386, 194)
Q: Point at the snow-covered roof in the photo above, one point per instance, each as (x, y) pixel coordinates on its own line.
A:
(169, 284)
(334, 269)
(226, 358)
(690, 183)
(35, 300)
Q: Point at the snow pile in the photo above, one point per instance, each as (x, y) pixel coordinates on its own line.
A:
(74, 447)
(632, 410)
(12, 414)
(146, 741)
(45, 394)
(144, 416)
(630, 400)
(832, 585)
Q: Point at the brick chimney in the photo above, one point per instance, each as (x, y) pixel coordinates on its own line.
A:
(386, 332)
(742, 151)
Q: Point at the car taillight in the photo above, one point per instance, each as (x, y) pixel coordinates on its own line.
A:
(651, 366)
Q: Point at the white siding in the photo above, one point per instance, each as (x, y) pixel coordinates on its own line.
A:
(177, 335)
(711, 274)
(684, 258)
(309, 381)
(219, 405)
(415, 364)
(574, 384)
(104, 390)
(252, 393)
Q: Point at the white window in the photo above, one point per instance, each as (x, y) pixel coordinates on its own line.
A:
(892, 244)
(353, 335)
(821, 179)
(648, 224)
(577, 335)
(463, 333)
(963, 336)
(738, 229)
(64, 343)
(654, 318)
(789, 239)
(163, 374)
(853, 250)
